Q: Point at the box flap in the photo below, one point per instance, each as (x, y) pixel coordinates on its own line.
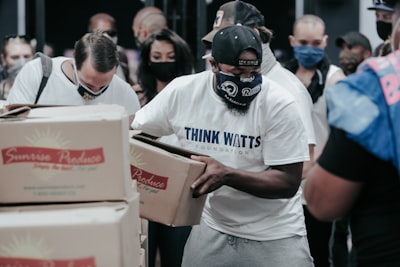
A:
(148, 139)
(17, 112)
(10, 107)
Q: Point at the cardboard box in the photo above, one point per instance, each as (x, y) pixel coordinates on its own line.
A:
(164, 175)
(95, 234)
(65, 154)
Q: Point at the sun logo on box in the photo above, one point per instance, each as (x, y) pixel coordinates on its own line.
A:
(136, 158)
(47, 138)
(50, 139)
(26, 251)
(26, 247)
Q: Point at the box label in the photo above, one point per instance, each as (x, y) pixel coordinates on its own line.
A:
(149, 179)
(27, 262)
(52, 155)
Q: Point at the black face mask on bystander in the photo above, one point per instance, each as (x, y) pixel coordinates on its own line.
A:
(383, 29)
(163, 71)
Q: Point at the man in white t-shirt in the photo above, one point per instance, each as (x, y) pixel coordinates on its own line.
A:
(239, 12)
(87, 79)
(250, 128)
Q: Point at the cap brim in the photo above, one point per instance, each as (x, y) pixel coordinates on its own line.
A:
(381, 7)
(209, 36)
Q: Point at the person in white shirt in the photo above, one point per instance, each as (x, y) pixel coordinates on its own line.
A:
(87, 79)
(251, 130)
(239, 12)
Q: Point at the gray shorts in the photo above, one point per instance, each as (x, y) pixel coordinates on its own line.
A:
(207, 247)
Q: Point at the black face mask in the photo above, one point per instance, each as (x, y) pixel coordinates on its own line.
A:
(384, 29)
(86, 92)
(239, 91)
(164, 71)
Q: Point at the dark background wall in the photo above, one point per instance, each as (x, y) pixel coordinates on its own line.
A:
(66, 21)
(8, 18)
(340, 16)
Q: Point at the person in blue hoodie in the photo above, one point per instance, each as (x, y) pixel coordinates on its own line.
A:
(357, 174)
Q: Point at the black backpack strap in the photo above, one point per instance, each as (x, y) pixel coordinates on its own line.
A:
(47, 64)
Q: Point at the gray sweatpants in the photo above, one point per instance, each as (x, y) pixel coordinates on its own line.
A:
(207, 247)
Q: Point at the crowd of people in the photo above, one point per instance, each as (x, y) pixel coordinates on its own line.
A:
(313, 176)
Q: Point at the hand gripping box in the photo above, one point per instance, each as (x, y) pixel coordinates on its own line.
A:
(164, 175)
(92, 234)
(64, 154)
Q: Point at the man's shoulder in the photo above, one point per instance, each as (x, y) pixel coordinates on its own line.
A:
(285, 77)
(119, 82)
(333, 68)
(56, 62)
(275, 92)
(334, 75)
(192, 80)
(121, 89)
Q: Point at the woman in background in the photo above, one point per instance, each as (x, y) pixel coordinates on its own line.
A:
(164, 56)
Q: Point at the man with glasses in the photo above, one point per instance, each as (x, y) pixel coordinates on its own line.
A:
(89, 78)
(106, 23)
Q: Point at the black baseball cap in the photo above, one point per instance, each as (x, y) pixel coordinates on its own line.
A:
(229, 42)
(354, 38)
(232, 13)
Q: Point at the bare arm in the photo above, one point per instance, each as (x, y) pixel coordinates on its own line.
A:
(328, 196)
(276, 182)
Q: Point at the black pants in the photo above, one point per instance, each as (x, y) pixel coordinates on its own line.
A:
(340, 255)
(318, 234)
(170, 241)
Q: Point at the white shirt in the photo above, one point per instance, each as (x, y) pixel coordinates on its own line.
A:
(274, 70)
(271, 133)
(60, 90)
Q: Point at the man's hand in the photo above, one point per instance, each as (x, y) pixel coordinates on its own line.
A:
(213, 177)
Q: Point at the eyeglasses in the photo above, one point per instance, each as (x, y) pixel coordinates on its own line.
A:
(111, 33)
(14, 36)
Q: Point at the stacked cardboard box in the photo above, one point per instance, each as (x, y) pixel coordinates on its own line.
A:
(66, 191)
